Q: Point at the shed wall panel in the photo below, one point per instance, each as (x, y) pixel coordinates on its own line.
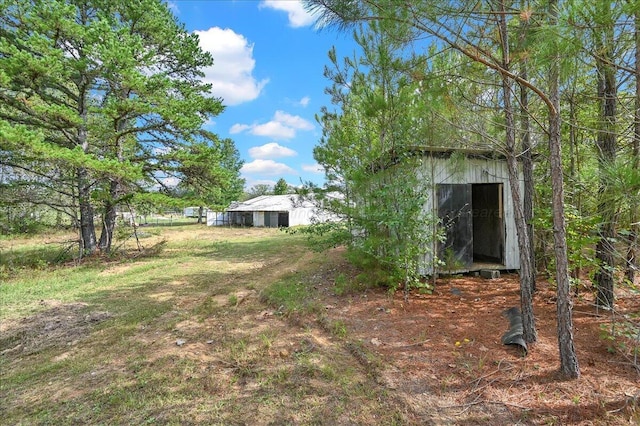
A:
(258, 219)
(300, 216)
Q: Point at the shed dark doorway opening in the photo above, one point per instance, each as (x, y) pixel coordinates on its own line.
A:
(472, 217)
(241, 218)
(488, 222)
(283, 219)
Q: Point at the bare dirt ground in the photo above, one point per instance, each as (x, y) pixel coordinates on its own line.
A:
(221, 355)
(442, 355)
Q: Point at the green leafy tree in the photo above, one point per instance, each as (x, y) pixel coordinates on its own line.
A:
(258, 190)
(368, 145)
(463, 27)
(633, 252)
(604, 31)
(210, 173)
(281, 187)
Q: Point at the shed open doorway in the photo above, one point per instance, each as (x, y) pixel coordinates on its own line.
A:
(472, 216)
(283, 219)
(488, 222)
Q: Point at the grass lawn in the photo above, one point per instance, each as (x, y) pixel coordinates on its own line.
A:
(204, 326)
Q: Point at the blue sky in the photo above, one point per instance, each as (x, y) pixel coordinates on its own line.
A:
(268, 69)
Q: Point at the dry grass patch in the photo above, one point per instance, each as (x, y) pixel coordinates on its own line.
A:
(188, 340)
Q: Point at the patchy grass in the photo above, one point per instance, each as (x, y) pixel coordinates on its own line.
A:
(186, 331)
(205, 325)
(290, 295)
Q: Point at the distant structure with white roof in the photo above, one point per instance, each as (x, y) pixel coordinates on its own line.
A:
(271, 211)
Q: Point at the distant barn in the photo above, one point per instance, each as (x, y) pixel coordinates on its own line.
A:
(271, 211)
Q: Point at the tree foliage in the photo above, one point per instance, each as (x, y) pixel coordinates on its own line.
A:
(574, 67)
(368, 144)
(97, 100)
(281, 187)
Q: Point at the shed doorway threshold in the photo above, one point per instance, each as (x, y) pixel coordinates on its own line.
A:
(477, 266)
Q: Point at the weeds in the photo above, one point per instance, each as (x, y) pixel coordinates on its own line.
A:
(207, 308)
(623, 336)
(116, 360)
(290, 295)
(233, 300)
(339, 329)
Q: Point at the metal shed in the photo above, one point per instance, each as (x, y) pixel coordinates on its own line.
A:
(471, 194)
(271, 211)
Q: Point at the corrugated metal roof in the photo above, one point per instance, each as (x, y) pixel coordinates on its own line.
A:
(271, 203)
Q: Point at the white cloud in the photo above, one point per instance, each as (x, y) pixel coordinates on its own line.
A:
(273, 129)
(271, 150)
(304, 101)
(294, 121)
(282, 126)
(231, 75)
(313, 168)
(161, 150)
(171, 181)
(298, 17)
(173, 7)
(238, 128)
(267, 167)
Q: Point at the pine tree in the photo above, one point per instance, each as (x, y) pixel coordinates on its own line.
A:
(102, 91)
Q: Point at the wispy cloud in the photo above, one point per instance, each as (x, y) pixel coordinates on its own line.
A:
(304, 101)
(271, 150)
(282, 126)
(267, 168)
(231, 75)
(294, 121)
(313, 168)
(298, 16)
(238, 128)
(173, 7)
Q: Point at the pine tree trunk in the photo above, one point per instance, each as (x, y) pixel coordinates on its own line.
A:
(87, 228)
(573, 149)
(527, 154)
(606, 140)
(526, 272)
(632, 248)
(568, 359)
(109, 218)
(527, 173)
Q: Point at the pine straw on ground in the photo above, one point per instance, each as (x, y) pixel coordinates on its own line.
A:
(443, 355)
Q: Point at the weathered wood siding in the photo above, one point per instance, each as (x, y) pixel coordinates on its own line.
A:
(471, 170)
